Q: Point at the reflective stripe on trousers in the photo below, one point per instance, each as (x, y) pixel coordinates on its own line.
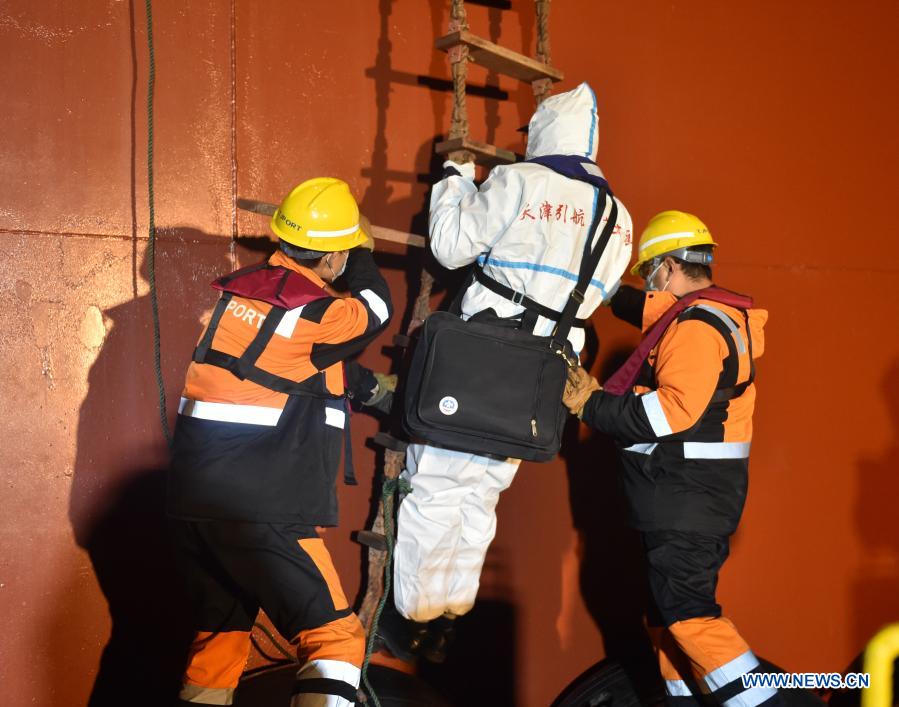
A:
(227, 412)
(326, 683)
(701, 450)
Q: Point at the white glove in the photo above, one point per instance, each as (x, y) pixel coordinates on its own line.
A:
(465, 169)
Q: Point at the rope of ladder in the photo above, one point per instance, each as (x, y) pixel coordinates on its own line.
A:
(542, 87)
(151, 246)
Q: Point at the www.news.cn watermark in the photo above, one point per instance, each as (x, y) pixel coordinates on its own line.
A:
(807, 681)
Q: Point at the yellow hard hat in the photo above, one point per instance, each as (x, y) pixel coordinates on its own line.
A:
(319, 214)
(670, 231)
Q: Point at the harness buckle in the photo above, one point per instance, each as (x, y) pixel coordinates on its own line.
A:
(577, 296)
(518, 297)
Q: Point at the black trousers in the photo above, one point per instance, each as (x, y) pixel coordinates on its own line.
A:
(683, 574)
(232, 569)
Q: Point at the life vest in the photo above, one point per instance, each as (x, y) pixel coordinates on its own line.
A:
(624, 379)
(280, 287)
(284, 290)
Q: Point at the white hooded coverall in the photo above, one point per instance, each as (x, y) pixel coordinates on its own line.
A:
(526, 227)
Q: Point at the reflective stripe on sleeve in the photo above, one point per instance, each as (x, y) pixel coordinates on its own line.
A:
(716, 450)
(642, 448)
(376, 303)
(227, 412)
(656, 415)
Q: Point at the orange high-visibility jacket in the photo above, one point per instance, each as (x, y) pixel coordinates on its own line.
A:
(263, 411)
(686, 429)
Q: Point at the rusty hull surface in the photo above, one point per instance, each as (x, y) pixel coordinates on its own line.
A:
(774, 122)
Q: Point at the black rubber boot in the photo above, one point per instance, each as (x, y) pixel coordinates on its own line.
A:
(440, 634)
(399, 635)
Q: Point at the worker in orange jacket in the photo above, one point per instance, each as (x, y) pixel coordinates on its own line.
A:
(261, 427)
(681, 410)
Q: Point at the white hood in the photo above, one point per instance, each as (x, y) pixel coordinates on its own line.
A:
(565, 124)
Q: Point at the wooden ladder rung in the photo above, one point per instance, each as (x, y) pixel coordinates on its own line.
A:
(496, 4)
(379, 232)
(390, 442)
(376, 541)
(483, 153)
(499, 59)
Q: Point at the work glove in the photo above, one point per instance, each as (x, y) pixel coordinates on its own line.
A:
(458, 169)
(365, 225)
(370, 389)
(578, 389)
(383, 392)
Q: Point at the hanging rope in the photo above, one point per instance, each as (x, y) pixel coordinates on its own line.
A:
(151, 246)
(542, 87)
(389, 488)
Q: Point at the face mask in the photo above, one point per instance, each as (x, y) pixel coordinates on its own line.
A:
(650, 287)
(336, 275)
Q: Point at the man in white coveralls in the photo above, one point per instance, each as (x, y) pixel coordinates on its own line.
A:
(525, 228)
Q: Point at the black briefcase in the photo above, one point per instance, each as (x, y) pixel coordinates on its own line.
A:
(488, 386)
(485, 386)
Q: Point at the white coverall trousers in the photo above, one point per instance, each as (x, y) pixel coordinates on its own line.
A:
(447, 523)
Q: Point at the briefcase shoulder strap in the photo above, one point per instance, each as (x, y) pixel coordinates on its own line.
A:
(589, 261)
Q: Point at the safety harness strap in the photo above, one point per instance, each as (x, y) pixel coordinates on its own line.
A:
(248, 359)
(646, 376)
(349, 469)
(519, 297)
(584, 170)
(245, 366)
(724, 394)
(206, 342)
(727, 328)
(312, 387)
